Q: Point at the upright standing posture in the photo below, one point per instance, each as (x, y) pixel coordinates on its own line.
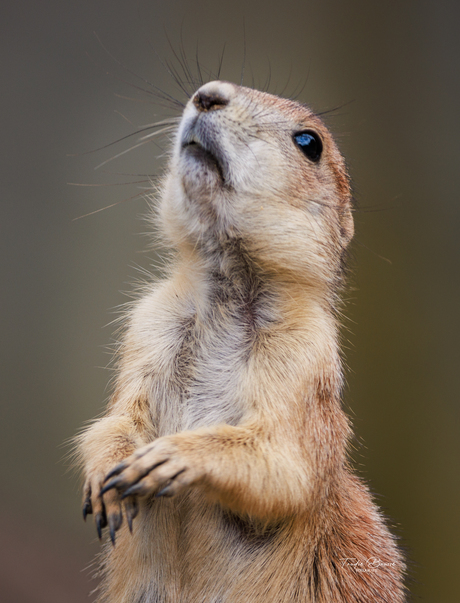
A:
(220, 467)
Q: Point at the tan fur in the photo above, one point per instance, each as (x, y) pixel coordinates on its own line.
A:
(229, 382)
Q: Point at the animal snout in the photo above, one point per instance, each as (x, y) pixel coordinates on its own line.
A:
(212, 96)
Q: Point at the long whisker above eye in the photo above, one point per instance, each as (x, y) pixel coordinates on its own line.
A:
(287, 81)
(295, 95)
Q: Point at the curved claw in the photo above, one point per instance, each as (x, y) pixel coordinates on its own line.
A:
(131, 510)
(112, 534)
(87, 507)
(112, 484)
(166, 492)
(116, 470)
(101, 522)
(115, 521)
(136, 489)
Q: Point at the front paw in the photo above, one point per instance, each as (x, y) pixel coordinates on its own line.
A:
(159, 468)
(106, 508)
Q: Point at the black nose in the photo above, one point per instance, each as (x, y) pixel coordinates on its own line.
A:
(209, 101)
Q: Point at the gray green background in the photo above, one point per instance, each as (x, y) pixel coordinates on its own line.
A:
(393, 68)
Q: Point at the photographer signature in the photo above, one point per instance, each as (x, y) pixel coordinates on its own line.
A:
(368, 565)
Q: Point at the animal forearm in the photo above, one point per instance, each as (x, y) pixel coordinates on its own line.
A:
(245, 468)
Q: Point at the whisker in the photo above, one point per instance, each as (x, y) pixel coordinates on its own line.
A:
(296, 94)
(198, 66)
(152, 134)
(173, 72)
(124, 117)
(96, 211)
(158, 92)
(108, 183)
(266, 86)
(127, 174)
(326, 111)
(287, 81)
(372, 251)
(143, 140)
(244, 54)
(166, 104)
(221, 60)
(186, 67)
(171, 125)
(122, 153)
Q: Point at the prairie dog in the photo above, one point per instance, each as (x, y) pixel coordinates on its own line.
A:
(224, 446)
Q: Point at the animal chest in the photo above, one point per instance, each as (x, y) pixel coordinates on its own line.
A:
(199, 382)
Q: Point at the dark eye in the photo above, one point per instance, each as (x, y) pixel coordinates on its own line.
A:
(310, 144)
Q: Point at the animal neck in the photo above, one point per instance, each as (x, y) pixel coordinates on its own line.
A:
(227, 276)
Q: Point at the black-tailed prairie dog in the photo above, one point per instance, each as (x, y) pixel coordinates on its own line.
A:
(220, 467)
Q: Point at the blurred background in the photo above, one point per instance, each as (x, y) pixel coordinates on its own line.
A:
(392, 68)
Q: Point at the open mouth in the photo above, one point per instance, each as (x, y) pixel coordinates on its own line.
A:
(204, 156)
